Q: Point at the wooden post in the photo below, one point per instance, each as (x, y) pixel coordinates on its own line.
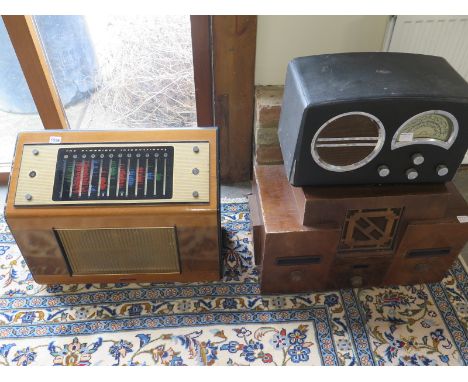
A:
(202, 69)
(234, 48)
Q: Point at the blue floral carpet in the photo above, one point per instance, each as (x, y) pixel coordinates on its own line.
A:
(227, 322)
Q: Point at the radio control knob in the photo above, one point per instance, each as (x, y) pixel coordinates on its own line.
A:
(411, 174)
(383, 171)
(442, 170)
(417, 159)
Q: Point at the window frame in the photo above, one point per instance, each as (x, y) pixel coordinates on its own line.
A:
(234, 50)
(33, 61)
(202, 68)
(222, 46)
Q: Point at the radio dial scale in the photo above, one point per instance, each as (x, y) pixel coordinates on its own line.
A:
(94, 173)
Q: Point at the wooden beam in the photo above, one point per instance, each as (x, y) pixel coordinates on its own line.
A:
(202, 69)
(234, 47)
(31, 56)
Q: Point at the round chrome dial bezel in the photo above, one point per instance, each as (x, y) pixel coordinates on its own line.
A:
(356, 165)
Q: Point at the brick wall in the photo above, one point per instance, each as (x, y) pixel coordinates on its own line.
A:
(267, 112)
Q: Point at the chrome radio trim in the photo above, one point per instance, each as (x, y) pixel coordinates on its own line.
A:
(427, 141)
(380, 142)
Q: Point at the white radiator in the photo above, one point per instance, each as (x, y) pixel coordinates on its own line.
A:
(445, 36)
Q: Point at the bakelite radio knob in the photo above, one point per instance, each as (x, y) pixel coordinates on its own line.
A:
(383, 171)
(411, 174)
(417, 159)
(442, 170)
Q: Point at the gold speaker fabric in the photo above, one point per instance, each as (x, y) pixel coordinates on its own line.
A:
(120, 250)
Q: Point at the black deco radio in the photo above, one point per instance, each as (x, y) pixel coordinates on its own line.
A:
(358, 118)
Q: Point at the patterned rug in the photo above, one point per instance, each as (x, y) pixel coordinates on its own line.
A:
(227, 322)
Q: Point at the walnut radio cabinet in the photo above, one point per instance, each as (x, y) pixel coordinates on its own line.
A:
(324, 238)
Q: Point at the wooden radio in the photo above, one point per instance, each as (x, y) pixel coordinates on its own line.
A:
(117, 206)
(391, 127)
(327, 238)
(371, 118)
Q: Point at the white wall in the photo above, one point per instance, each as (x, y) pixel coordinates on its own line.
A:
(281, 38)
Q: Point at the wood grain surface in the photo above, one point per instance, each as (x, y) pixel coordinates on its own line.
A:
(234, 47)
(197, 224)
(298, 257)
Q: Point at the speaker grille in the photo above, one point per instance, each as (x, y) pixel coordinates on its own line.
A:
(370, 229)
(120, 250)
(348, 141)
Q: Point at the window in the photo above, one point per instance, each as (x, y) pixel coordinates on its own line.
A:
(101, 94)
(18, 111)
(109, 72)
(121, 71)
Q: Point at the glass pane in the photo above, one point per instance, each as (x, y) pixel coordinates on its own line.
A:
(17, 109)
(122, 71)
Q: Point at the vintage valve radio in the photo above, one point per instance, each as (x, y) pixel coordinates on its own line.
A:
(117, 206)
(327, 238)
(360, 118)
(352, 119)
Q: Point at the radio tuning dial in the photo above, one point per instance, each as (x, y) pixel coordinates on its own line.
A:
(383, 171)
(442, 170)
(411, 174)
(417, 159)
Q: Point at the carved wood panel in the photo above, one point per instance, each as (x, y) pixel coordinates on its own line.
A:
(369, 229)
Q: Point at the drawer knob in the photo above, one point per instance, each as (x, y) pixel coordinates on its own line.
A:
(296, 276)
(422, 267)
(356, 281)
